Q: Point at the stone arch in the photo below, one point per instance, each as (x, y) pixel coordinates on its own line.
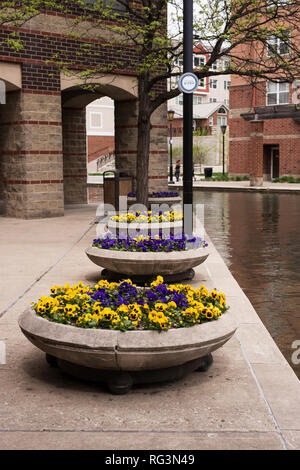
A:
(75, 98)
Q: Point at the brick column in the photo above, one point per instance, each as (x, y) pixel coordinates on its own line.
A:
(31, 147)
(126, 132)
(75, 158)
(256, 153)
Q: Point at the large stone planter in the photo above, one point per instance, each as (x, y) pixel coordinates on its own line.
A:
(132, 228)
(148, 263)
(123, 358)
(170, 201)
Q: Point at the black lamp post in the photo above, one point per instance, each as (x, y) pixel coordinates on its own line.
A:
(223, 129)
(188, 119)
(170, 119)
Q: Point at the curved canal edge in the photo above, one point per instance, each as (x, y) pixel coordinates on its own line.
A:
(276, 382)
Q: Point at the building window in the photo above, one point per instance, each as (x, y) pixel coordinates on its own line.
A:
(212, 100)
(199, 61)
(226, 84)
(178, 62)
(222, 121)
(197, 99)
(96, 120)
(179, 99)
(222, 111)
(214, 66)
(213, 83)
(226, 64)
(278, 46)
(202, 83)
(211, 121)
(277, 93)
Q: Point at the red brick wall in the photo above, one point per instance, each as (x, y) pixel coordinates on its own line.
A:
(99, 145)
(282, 132)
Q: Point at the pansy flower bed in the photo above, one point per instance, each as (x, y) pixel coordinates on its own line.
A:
(146, 243)
(147, 217)
(123, 306)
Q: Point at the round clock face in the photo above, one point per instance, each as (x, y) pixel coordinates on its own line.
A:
(188, 83)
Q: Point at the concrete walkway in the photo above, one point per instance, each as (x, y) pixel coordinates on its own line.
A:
(268, 186)
(248, 399)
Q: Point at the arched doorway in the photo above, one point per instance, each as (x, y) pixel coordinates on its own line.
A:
(75, 98)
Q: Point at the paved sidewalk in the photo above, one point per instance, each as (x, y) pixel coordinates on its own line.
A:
(268, 186)
(248, 399)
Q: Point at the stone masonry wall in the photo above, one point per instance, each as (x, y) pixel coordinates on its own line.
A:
(32, 155)
(75, 158)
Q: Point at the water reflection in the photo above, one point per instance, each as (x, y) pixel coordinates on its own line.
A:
(258, 237)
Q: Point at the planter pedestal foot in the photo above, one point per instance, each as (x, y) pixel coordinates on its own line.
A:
(51, 360)
(146, 280)
(206, 363)
(120, 382)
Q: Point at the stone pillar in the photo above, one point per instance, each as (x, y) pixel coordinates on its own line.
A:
(256, 153)
(159, 156)
(75, 158)
(126, 133)
(31, 147)
(126, 116)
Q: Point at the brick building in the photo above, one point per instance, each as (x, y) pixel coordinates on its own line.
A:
(264, 129)
(43, 123)
(207, 119)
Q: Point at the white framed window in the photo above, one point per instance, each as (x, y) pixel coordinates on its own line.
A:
(226, 101)
(202, 83)
(277, 93)
(179, 99)
(276, 45)
(212, 100)
(96, 120)
(199, 61)
(213, 83)
(215, 66)
(211, 121)
(197, 99)
(226, 64)
(226, 84)
(222, 121)
(178, 61)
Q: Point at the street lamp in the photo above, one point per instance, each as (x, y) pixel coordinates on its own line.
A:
(170, 119)
(188, 46)
(223, 129)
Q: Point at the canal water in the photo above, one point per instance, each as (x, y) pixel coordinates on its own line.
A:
(258, 236)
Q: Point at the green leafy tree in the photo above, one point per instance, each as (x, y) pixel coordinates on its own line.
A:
(242, 31)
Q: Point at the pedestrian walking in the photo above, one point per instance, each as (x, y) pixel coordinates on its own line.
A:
(177, 170)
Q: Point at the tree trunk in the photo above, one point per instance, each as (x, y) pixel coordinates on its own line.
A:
(143, 145)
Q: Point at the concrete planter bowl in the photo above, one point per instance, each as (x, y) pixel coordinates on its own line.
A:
(147, 263)
(170, 201)
(133, 228)
(121, 359)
